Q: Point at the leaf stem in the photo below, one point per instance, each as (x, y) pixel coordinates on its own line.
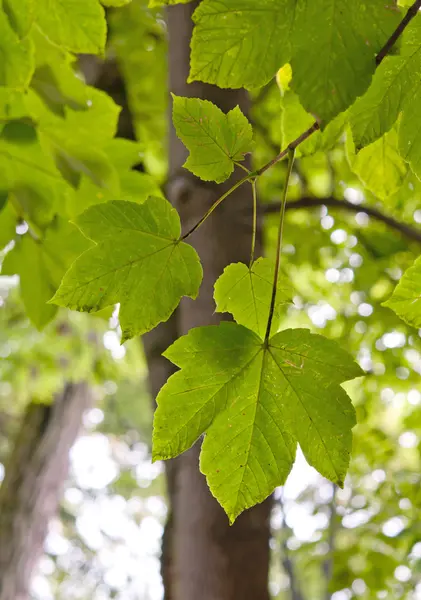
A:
(238, 164)
(215, 205)
(291, 155)
(253, 238)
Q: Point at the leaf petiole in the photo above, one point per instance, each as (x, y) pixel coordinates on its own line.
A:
(253, 239)
(291, 155)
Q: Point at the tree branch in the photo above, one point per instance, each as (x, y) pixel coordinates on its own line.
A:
(411, 13)
(309, 202)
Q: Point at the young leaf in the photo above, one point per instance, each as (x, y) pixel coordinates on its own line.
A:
(137, 261)
(77, 25)
(392, 87)
(215, 140)
(406, 298)
(246, 293)
(255, 402)
(379, 166)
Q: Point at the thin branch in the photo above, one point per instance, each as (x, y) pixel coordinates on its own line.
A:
(292, 146)
(411, 13)
(308, 202)
(215, 205)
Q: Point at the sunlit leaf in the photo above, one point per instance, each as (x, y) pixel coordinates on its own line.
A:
(41, 264)
(255, 402)
(406, 298)
(78, 25)
(246, 293)
(137, 261)
(215, 140)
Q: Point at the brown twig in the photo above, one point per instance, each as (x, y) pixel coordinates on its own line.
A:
(410, 14)
(309, 202)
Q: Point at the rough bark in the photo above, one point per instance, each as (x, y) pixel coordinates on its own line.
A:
(30, 493)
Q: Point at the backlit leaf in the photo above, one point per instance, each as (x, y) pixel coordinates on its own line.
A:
(137, 261)
(255, 402)
(379, 166)
(17, 60)
(215, 140)
(406, 298)
(246, 293)
(41, 265)
(78, 25)
(392, 88)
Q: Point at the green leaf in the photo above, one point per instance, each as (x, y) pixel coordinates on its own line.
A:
(379, 166)
(26, 259)
(17, 60)
(344, 38)
(410, 132)
(406, 298)
(137, 261)
(77, 25)
(134, 187)
(12, 104)
(239, 43)
(20, 14)
(153, 3)
(29, 172)
(295, 120)
(393, 86)
(8, 222)
(41, 265)
(255, 402)
(123, 153)
(246, 293)
(215, 140)
(75, 160)
(115, 2)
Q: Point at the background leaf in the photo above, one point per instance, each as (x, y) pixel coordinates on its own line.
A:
(78, 25)
(137, 261)
(406, 298)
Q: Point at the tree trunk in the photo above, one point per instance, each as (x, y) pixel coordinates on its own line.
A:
(202, 556)
(30, 493)
(205, 557)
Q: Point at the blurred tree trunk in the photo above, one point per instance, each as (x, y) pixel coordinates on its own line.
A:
(30, 492)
